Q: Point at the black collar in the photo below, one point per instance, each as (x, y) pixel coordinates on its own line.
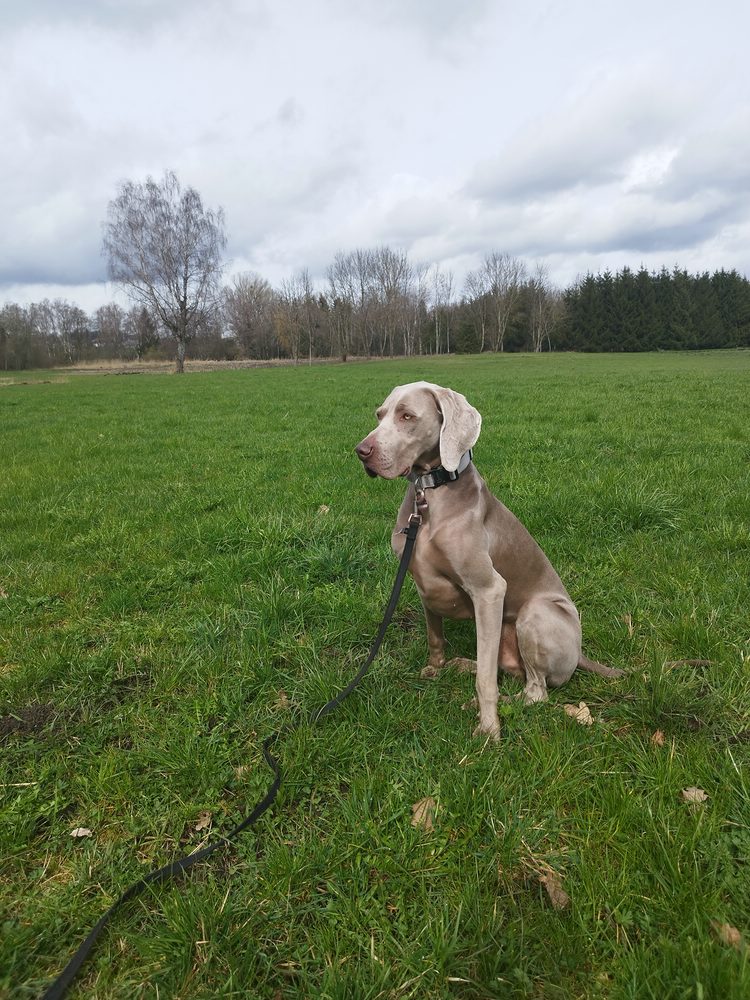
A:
(439, 476)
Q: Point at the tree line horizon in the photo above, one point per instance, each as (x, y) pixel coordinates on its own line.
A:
(166, 250)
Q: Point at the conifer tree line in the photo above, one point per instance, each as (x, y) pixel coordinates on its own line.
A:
(378, 303)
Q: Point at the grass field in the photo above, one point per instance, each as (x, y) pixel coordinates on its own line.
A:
(171, 591)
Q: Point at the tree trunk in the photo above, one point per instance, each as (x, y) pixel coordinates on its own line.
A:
(180, 363)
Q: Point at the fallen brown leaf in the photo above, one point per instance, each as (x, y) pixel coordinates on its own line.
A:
(657, 738)
(693, 795)
(204, 821)
(580, 713)
(423, 814)
(81, 831)
(557, 895)
(323, 509)
(3, 593)
(727, 934)
(283, 700)
(628, 619)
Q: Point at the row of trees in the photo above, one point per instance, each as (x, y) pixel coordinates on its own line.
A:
(362, 314)
(46, 334)
(376, 302)
(664, 310)
(166, 250)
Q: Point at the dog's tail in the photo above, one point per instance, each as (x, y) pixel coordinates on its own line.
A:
(593, 667)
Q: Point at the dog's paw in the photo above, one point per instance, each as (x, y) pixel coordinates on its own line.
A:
(534, 693)
(492, 731)
(462, 665)
(429, 673)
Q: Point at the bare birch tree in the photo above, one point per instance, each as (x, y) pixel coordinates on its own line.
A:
(308, 309)
(545, 307)
(65, 326)
(141, 331)
(166, 249)
(475, 290)
(289, 315)
(393, 275)
(418, 298)
(442, 295)
(504, 276)
(110, 323)
(362, 265)
(342, 295)
(248, 307)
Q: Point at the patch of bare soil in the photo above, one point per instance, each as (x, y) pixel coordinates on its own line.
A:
(28, 721)
(29, 381)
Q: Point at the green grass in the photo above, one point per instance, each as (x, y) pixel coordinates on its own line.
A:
(166, 573)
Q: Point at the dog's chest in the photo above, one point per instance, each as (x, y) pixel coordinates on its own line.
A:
(431, 569)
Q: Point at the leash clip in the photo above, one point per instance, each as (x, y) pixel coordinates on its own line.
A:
(414, 522)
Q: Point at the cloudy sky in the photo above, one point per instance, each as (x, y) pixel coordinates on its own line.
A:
(584, 134)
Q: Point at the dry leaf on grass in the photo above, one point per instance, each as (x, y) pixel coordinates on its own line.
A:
(423, 814)
(657, 738)
(580, 713)
(727, 934)
(3, 593)
(557, 895)
(693, 795)
(628, 619)
(283, 700)
(204, 821)
(323, 509)
(81, 831)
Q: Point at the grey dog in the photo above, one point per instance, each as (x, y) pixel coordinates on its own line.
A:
(474, 558)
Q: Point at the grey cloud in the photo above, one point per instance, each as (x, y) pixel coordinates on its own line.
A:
(431, 18)
(715, 160)
(74, 257)
(650, 231)
(137, 15)
(588, 142)
(290, 112)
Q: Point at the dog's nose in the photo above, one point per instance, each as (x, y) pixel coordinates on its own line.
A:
(363, 449)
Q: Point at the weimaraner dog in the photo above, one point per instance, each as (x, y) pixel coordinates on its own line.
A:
(473, 557)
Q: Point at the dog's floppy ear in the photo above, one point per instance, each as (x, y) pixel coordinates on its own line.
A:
(460, 428)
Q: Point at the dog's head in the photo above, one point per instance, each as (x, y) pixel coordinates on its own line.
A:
(420, 426)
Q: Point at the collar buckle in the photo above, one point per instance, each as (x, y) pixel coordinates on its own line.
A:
(434, 478)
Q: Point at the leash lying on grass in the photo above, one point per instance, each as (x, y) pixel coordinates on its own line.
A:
(60, 985)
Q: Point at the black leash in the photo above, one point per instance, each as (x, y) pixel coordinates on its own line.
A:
(68, 974)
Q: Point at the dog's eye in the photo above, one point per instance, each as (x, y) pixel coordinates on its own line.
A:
(406, 416)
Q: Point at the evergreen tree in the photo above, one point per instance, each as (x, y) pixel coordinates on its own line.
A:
(646, 311)
(709, 326)
(733, 298)
(626, 306)
(679, 331)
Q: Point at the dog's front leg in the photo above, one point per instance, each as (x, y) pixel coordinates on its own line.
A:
(488, 613)
(435, 644)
